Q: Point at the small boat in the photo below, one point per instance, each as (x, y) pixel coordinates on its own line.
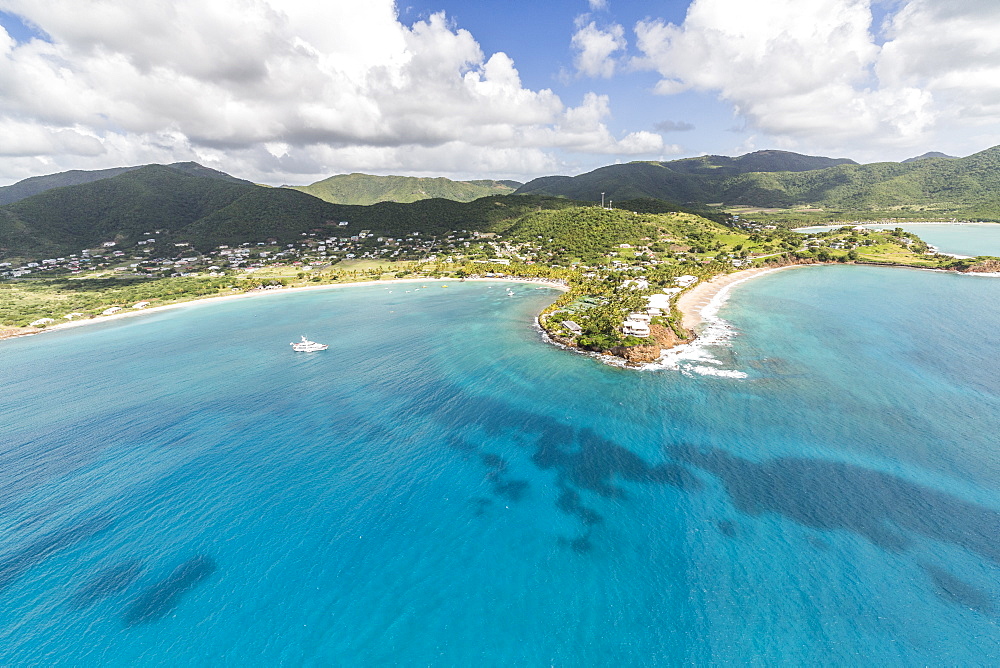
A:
(510, 293)
(307, 346)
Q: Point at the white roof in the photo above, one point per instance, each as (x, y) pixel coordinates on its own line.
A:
(659, 301)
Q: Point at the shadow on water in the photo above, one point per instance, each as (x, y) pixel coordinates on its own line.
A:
(834, 495)
(14, 565)
(156, 602)
(106, 583)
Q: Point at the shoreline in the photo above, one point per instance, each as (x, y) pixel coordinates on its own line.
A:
(15, 333)
(902, 222)
(694, 304)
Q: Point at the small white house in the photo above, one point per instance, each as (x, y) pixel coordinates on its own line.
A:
(140, 305)
(636, 284)
(70, 316)
(686, 280)
(112, 310)
(572, 326)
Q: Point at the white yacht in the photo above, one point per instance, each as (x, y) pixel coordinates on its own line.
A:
(307, 346)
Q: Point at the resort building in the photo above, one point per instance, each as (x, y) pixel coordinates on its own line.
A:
(636, 324)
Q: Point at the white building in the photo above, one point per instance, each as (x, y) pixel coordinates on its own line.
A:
(109, 311)
(572, 326)
(637, 324)
(140, 305)
(636, 284)
(686, 280)
(658, 304)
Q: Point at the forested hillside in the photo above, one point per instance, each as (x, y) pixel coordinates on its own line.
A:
(189, 203)
(930, 186)
(364, 189)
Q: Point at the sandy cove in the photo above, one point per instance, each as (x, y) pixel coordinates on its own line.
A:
(15, 332)
(693, 303)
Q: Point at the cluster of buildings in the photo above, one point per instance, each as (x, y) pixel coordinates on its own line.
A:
(658, 304)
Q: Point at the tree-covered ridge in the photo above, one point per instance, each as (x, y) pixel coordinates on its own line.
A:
(39, 184)
(189, 204)
(366, 189)
(965, 187)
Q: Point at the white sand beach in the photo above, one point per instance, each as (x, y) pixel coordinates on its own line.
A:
(15, 332)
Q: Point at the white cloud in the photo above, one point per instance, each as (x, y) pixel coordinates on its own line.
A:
(280, 89)
(596, 48)
(814, 73)
(596, 5)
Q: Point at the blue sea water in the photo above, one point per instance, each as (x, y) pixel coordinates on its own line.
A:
(441, 487)
(959, 239)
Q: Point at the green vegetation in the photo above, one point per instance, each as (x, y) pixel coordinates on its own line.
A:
(923, 189)
(39, 184)
(188, 206)
(365, 189)
(182, 232)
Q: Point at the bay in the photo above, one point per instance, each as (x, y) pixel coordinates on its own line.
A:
(442, 487)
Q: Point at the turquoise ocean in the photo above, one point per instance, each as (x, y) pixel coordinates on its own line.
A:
(442, 487)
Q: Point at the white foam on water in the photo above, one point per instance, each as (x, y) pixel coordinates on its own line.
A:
(692, 358)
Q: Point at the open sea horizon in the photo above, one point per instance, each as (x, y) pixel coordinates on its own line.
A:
(442, 487)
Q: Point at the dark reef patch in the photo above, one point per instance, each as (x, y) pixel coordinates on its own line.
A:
(580, 544)
(590, 462)
(512, 490)
(481, 503)
(494, 461)
(727, 528)
(569, 503)
(106, 583)
(157, 601)
(15, 564)
(831, 495)
(953, 590)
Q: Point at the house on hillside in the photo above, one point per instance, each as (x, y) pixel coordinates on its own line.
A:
(686, 280)
(572, 327)
(636, 324)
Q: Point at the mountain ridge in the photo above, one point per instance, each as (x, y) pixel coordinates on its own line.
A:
(367, 189)
(961, 186)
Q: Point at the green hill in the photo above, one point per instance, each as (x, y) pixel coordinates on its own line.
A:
(686, 180)
(39, 184)
(932, 186)
(365, 189)
(189, 203)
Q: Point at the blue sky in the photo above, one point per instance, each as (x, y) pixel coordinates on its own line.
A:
(283, 92)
